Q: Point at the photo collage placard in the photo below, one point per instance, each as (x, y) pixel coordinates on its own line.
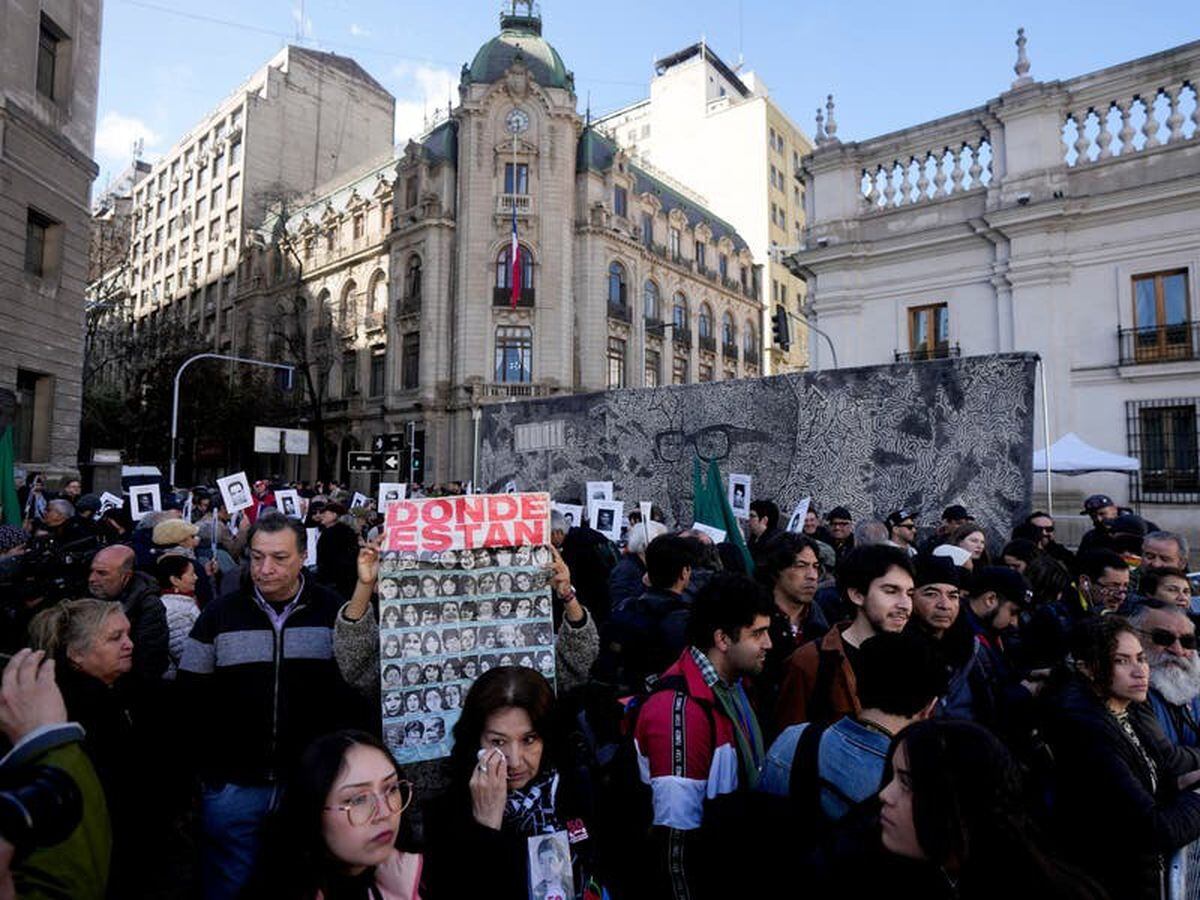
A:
(447, 617)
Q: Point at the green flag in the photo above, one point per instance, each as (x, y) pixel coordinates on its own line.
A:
(8, 488)
(711, 507)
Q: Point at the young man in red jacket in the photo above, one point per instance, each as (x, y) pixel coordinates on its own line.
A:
(699, 738)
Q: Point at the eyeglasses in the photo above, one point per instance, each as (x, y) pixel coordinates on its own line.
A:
(1164, 637)
(361, 808)
(1047, 529)
(1113, 588)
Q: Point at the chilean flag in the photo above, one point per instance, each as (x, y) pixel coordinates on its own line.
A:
(514, 256)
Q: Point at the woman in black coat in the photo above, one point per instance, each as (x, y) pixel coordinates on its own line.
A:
(1122, 803)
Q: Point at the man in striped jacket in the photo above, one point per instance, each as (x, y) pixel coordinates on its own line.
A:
(258, 681)
(698, 739)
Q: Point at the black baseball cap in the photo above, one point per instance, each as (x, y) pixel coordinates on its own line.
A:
(1128, 524)
(1095, 502)
(1008, 583)
(899, 516)
(838, 512)
(956, 512)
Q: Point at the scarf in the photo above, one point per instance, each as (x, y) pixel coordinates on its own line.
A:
(736, 705)
(530, 810)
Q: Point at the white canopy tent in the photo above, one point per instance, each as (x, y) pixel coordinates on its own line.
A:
(1071, 455)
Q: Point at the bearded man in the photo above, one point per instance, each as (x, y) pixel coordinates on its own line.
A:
(1169, 639)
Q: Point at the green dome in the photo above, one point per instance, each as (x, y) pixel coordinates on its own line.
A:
(520, 35)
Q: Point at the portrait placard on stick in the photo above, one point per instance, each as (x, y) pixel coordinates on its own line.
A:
(716, 534)
(606, 518)
(389, 491)
(571, 512)
(235, 492)
(288, 503)
(739, 495)
(359, 499)
(796, 522)
(463, 587)
(143, 500)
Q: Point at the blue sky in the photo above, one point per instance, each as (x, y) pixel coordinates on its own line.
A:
(166, 63)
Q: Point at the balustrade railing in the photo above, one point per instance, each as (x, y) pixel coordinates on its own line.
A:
(620, 312)
(922, 354)
(927, 163)
(1179, 342)
(1130, 109)
(708, 343)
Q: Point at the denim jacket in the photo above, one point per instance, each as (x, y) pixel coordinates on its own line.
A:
(850, 764)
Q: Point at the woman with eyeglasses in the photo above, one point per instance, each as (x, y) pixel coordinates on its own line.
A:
(335, 834)
(1124, 800)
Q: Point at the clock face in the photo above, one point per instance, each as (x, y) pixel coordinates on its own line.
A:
(516, 121)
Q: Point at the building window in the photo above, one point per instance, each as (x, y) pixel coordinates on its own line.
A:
(35, 405)
(410, 192)
(653, 368)
(50, 38)
(728, 331)
(679, 313)
(235, 152)
(706, 372)
(378, 370)
(648, 229)
(39, 232)
(750, 341)
(650, 300)
(1160, 316)
(706, 322)
(349, 374)
(616, 363)
(679, 370)
(723, 265)
(700, 248)
(1163, 435)
(617, 296)
(357, 225)
(522, 183)
(673, 236)
(233, 186)
(929, 331)
(412, 280)
(514, 354)
(379, 292)
(621, 202)
(504, 268)
(410, 363)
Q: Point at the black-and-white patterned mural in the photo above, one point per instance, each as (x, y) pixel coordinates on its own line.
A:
(919, 435)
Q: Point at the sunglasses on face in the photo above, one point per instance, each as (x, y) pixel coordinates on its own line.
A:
(1164, 637)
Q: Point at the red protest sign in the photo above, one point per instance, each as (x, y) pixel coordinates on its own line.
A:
(468, 523)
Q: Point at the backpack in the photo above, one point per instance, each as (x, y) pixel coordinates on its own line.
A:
(599, 728)
(634, 646)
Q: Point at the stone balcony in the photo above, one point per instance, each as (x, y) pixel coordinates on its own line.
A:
(522, 202)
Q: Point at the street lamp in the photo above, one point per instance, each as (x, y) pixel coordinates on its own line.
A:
(175, 400)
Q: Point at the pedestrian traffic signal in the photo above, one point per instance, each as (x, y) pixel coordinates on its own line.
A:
(779, 328)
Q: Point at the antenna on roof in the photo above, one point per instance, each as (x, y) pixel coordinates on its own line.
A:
(741, 60)
(300, 24)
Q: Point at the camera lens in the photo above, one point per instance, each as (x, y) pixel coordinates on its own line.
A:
(39, 806)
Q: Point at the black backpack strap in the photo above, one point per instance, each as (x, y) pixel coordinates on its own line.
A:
(804, 780)
(678, 684)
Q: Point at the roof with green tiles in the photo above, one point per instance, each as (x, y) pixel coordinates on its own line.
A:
(520, 37)
(596, 153)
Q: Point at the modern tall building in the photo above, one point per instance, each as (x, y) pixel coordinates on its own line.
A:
(303, 119)
(718, 131)
(1061, 217)
(396, 286)
(49, 78)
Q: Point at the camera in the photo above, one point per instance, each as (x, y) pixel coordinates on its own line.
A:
(39, 806)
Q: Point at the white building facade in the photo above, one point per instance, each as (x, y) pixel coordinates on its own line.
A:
(719, 132)
(1060, 217)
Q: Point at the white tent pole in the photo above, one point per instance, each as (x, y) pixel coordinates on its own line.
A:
(1046, 437)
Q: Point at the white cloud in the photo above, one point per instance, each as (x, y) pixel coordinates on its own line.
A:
(357, 30)
(115, 135)
(420, 90)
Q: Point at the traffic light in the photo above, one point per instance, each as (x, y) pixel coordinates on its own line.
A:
(416, 458)
(779, 328)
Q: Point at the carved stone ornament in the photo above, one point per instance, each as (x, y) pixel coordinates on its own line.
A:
(516, 79)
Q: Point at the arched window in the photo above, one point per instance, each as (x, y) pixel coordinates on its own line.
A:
(650, 299)
(379, 292)
(749, 338)
(346, 307)
(504, 268)
(616, 285)
(679, 312)
(706, 321)
(728, 331)
(321, 310)
(412, 279)
(514, 354)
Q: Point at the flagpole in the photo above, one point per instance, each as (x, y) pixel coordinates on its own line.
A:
(515, 251)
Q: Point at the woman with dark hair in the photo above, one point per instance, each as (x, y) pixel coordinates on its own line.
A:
(952, 803)
(177, 582)
(973, 539)
(334, 835)
(507, 788)
(1124, 799)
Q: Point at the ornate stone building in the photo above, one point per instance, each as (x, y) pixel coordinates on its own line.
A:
(394, 289)
(1061, 217)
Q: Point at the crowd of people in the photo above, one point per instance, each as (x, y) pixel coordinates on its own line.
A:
(862, 705)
